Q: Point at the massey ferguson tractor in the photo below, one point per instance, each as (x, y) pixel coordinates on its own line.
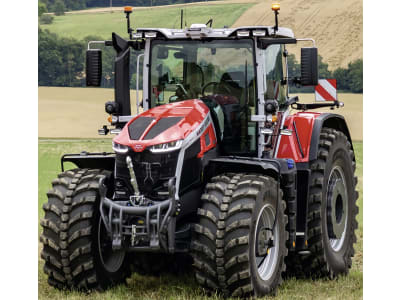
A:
(215, 169)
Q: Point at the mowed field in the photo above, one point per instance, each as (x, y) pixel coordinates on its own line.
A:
(103, 24)
(79, 112)
(167, 286)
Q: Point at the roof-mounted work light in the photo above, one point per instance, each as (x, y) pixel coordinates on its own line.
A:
(276, 6)
(128, 10)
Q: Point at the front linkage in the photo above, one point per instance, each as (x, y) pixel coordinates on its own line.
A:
(145, 226)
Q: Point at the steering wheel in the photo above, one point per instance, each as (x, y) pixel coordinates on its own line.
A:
(203, 89)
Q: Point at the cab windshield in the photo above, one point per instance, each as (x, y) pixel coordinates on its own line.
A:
(219, 72)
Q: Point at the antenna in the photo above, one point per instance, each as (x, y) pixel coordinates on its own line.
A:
(181, 18)
(209, 22)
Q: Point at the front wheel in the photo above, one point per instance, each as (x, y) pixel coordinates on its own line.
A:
(76, 248)
(240, 241)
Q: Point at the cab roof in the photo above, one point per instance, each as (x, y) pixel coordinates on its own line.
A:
(199, 31)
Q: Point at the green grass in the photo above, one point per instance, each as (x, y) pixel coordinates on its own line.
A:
(184, 287)
(103, 24)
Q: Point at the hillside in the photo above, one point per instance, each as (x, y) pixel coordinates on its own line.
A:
(100, 23)
(336, 26)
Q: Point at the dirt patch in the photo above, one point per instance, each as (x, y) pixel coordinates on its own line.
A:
(336, 26)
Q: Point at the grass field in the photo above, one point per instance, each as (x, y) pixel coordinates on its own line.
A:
(103, 24)
(79, 112)
(184, 287)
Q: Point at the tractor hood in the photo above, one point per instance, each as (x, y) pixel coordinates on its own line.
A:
(163, 124)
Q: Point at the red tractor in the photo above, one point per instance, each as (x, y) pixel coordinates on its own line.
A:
(215, 168)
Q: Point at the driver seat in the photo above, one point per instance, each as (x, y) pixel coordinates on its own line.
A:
(234, 81)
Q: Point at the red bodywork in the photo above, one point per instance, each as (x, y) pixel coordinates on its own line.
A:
(193, 112)
(289, 147)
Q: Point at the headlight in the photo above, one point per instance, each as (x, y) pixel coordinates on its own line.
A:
(167, 147)
(119, 148)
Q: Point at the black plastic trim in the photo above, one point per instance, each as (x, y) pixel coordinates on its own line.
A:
(104, 160)
(334, 121)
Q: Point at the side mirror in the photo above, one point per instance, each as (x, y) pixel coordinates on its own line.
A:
(93, 67)
(309, 66)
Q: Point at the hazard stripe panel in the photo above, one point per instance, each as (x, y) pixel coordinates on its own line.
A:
(326, 90)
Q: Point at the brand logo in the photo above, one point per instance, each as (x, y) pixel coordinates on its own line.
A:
(138, 147)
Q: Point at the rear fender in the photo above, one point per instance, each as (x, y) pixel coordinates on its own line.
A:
(302, 145)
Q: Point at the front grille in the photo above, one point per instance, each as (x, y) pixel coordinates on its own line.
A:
(152, 172)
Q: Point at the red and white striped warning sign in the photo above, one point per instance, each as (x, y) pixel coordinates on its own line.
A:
(326, 90)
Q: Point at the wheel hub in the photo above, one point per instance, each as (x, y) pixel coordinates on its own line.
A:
(266, 242)
(337, 208)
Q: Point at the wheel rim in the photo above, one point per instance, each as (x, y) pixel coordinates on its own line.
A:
(337, 208)
(266, 254)
(111, 260)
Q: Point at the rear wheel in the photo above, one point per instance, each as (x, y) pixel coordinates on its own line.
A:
(76, 248)
(240, 240)
(332, 207)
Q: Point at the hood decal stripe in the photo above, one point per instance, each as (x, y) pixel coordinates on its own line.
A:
(137, 127)
(161, 126)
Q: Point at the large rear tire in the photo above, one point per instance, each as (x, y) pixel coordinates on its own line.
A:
(76, 249)
(236, 248)
(332, 207)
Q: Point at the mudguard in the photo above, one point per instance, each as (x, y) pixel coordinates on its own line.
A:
(302, 145)
(104, 160)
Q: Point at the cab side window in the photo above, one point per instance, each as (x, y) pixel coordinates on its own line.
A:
(274, 73)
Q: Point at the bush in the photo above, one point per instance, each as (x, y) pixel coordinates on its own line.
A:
(46, 19)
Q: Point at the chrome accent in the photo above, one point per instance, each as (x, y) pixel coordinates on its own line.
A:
(266, 131)
(259, 32)
(243, 33)
(101, 131)
(133, 176)
(122, 149)
(258, 118)
(287, 132)
(284, 116)
(307, 40)
(137, 82)
(266, 231)
(120, 119)
(95, 42)
(133, 235)
(260, 61)
(115, 131)
(166, 147)
(150, 34)
(138, 35)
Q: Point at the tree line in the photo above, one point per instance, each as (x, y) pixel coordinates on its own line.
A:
(66, 5)
(62, 63)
